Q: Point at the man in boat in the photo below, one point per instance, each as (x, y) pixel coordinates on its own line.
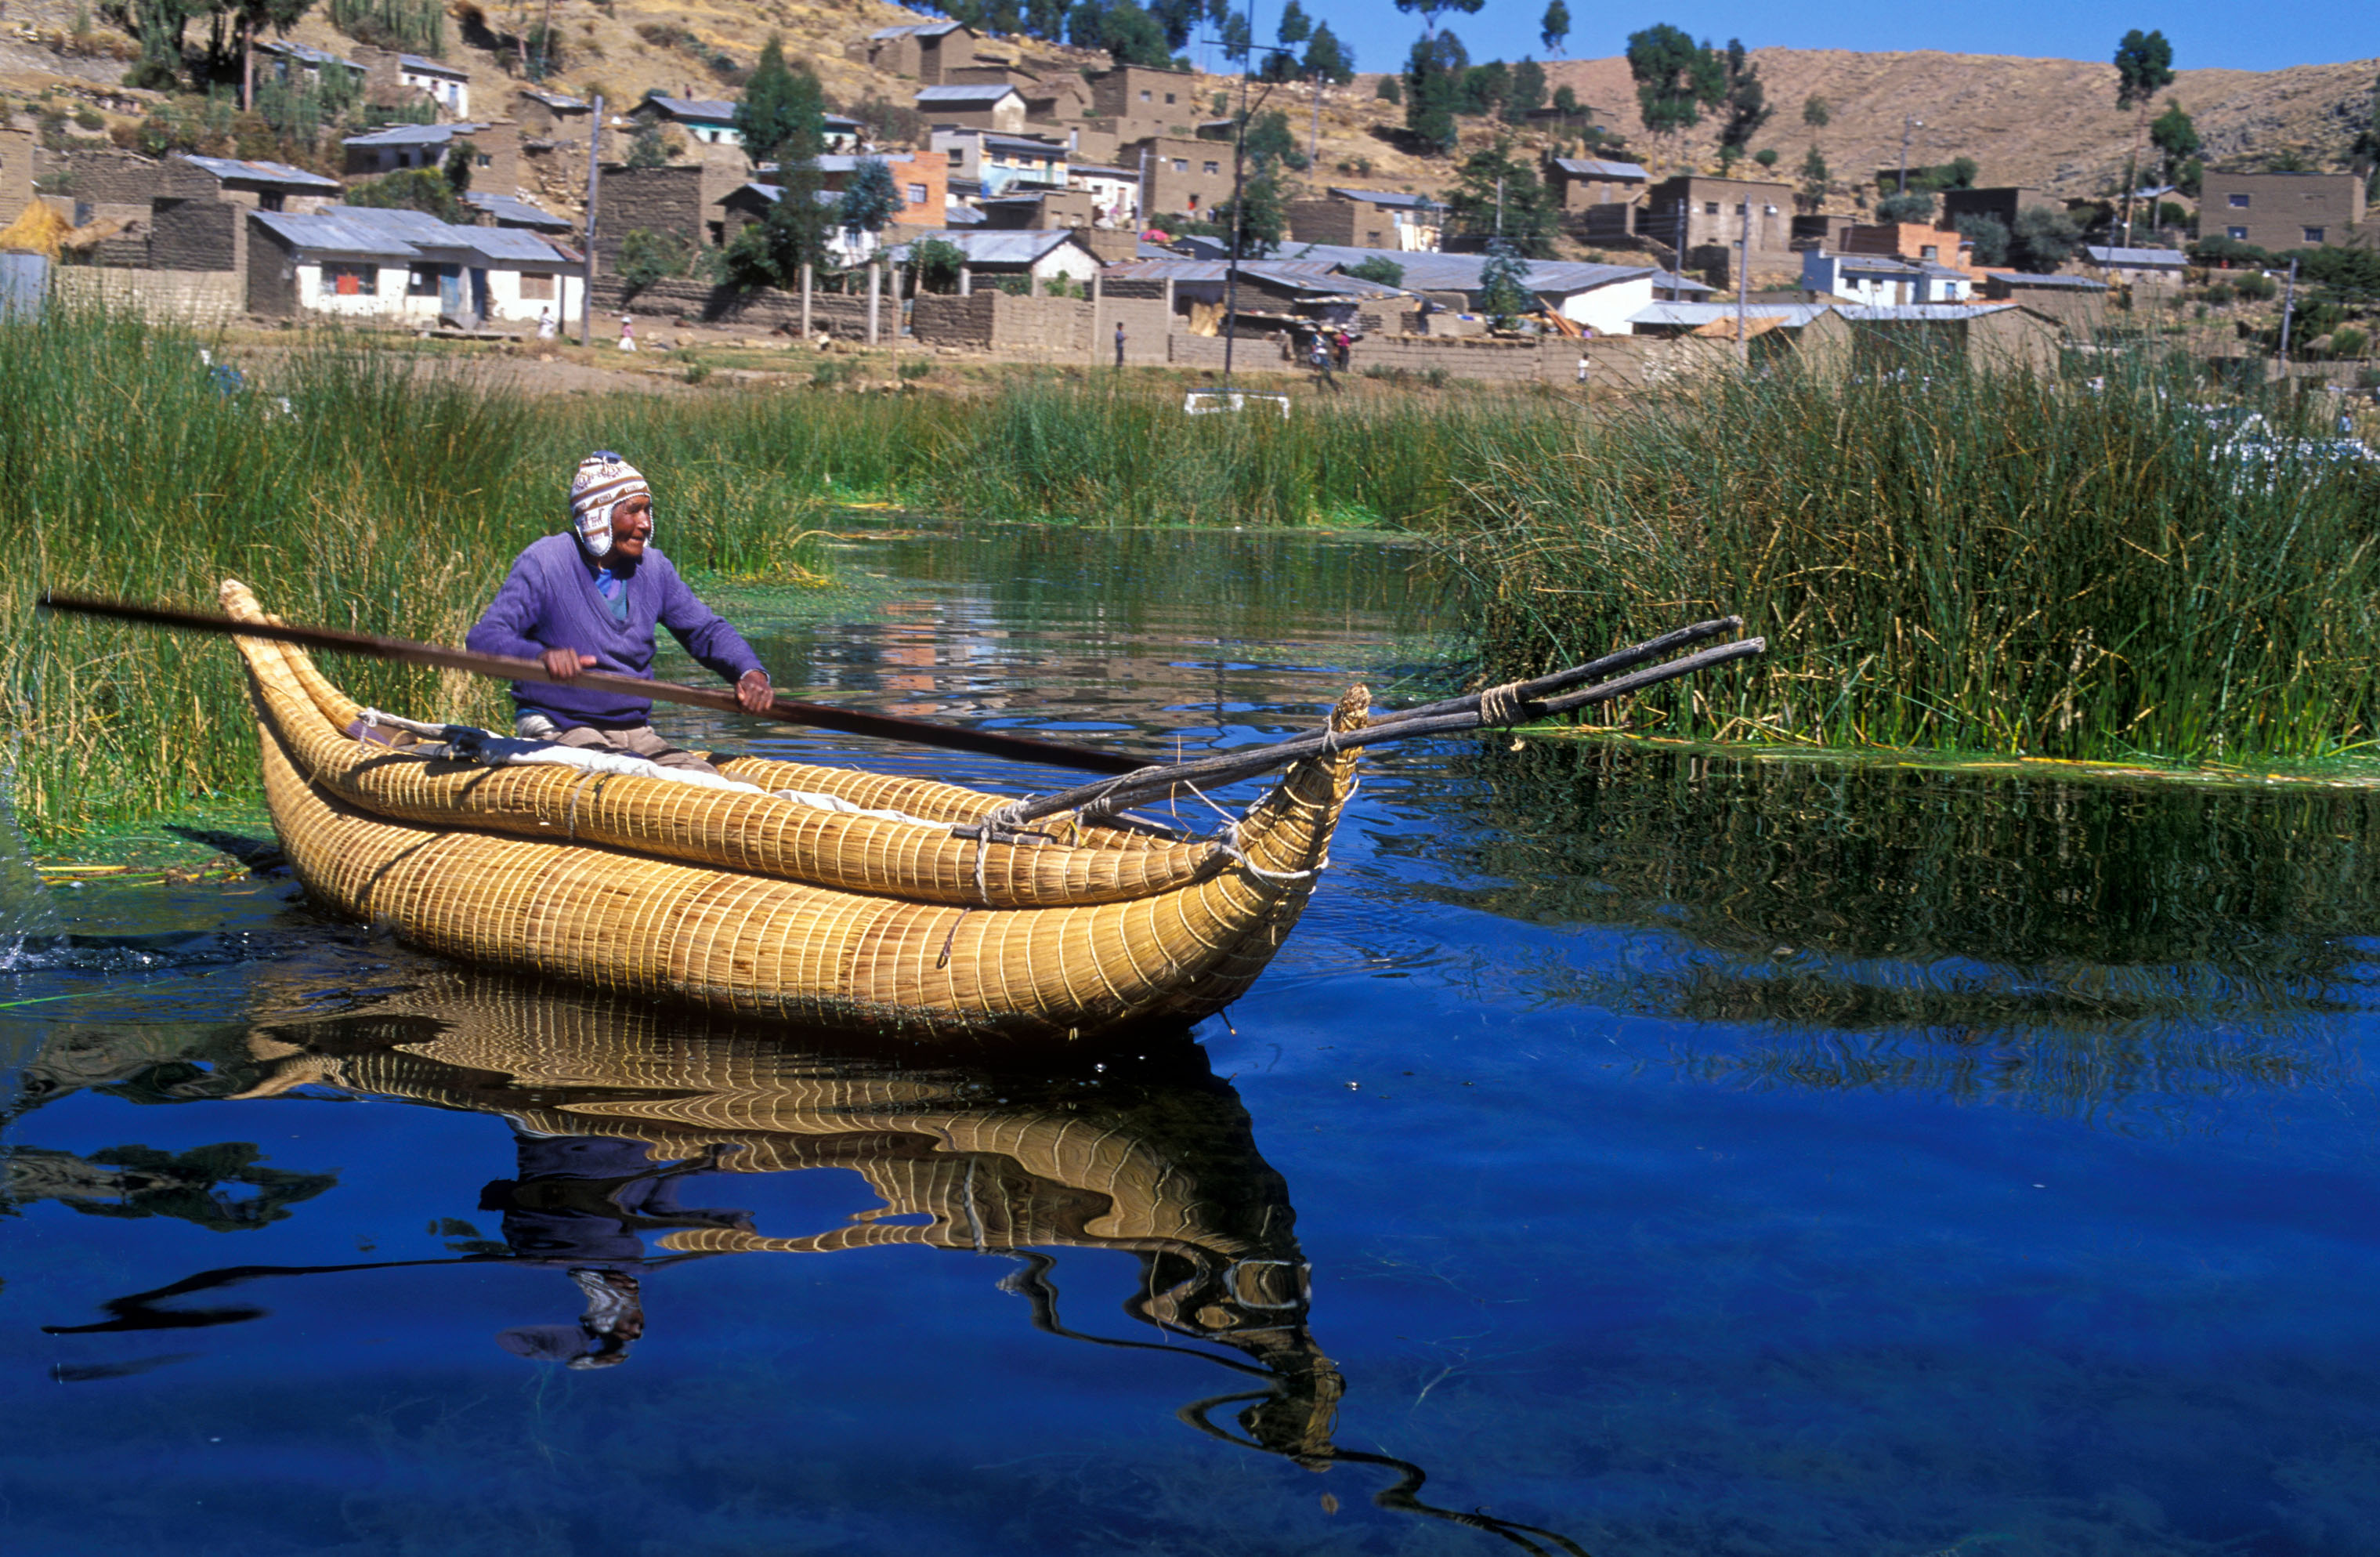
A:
(589, 600)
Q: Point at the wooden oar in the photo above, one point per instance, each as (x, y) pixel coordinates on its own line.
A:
(853, 722)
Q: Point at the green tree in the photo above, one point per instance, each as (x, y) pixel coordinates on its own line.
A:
(2143, 68)
(1430, 10)
(1434, 74)
(1328, 58)
(1129, 35)
(1529, 218)
(1816, 181)
(1504, 292)
(2044, 238)
(1743, 98)
(1766, 157)
(1485, 90)
(1815, 112)
(782, 118)
(2363, 153)
(870, 198)
(1380, 268)
(1676, 79)
(1270, 141)
(1989, 235)
(1528, 93)
(1179, 18)
(647, 256)
(1255, 223)
(646, 148)
(2176, 137)
(1918, 205)
(459, 158)
(413, 188)
(1388, 90)
(1237, 39)
(1554, 31)
(934, 263)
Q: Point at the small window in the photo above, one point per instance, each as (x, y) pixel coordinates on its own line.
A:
(487, 161)
(1710, 208)
(269, 199)
(350, 281)
(2239, 202)
(1213, 168)
(1929, 251)
(1181, 165)
(1169, 99)
(1144, 94)
(421, 281)
(2314, 235)
(2240, 233)
(537, 288)
(916, 194)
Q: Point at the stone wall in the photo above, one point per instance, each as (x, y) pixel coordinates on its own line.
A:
(679, 198)
(964, 323)
(1614, 362)
(102, 175)
(189, 297)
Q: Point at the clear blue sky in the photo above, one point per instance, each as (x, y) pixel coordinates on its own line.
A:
(2258, 35)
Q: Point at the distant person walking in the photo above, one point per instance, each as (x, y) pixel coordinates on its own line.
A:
(627, 332)
(1320, 357)
(1119, 343)
(1343, 344)
(545, 325)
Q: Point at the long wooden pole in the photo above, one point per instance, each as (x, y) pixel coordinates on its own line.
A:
(854, 721)
(594, 187)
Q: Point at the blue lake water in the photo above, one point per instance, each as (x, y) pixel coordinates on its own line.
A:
(1629, 1154)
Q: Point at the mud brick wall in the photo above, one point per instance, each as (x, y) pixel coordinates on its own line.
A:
(963, 322)
(845, 318)
(1146, 327)
(102, 175)
(1057, 325)
(196, 235)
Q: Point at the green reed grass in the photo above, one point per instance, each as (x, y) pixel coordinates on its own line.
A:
(1953, 560)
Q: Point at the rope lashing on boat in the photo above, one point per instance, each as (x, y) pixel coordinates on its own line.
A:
(1501, 707)
(944, 960)
(1228, 845)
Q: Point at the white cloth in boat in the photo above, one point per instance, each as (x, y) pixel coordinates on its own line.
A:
(505, 751)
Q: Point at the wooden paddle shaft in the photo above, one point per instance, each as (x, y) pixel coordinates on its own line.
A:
(854, 721)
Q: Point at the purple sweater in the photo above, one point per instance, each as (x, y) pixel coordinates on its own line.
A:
(550, 602)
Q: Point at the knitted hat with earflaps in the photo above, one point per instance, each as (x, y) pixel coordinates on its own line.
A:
(604, 480)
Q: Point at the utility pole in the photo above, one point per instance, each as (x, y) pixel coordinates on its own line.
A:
(1314, 146)
(1239, 206)
(545, 43)
(586, 284)
(1500, 205)
(1743, 289)
(1906, 121)
(2289, 305)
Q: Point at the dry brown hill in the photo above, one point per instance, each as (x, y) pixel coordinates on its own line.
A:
(2047, 123)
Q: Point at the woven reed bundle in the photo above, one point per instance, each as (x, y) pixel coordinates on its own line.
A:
(617, 921)
(753, 833)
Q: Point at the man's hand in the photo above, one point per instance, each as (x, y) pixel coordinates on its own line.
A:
(564, 663)
(753, 692)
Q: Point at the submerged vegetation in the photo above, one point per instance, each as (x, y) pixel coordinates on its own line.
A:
(1961, 563)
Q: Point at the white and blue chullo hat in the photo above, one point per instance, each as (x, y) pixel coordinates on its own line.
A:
(603, 482)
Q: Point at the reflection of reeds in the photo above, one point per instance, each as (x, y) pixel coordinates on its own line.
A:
(1989, 563)
(2064, 944)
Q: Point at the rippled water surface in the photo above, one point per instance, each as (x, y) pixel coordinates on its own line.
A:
(1629, 1154)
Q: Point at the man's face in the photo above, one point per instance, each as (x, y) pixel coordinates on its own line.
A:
(632, 525)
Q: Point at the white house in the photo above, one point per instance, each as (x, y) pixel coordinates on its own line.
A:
(1037, 254)
(1115, 191)
(1883, 280)
(449, 88)
(2156, 267)
(405, 267)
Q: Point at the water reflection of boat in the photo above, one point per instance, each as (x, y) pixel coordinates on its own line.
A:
(851, 902)
(617, 1113)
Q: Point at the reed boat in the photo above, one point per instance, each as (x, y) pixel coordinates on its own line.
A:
(790, 891)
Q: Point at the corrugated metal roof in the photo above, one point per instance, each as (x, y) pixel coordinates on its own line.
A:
(413, 135)
(431, 66)
(842, 162)
(1914, 312)
(1595, 167)
(2112, 256)
(557, 100)
(305, 53)
(1006, 247)
(1459, 273)
(691, 107)
(919, 30)
(1385, 197)
(963, 216)
(1100, 170)
(504, 208)
(964, 92)
(1020, 143)
(2051, 283)
(262, 173)
(409, 234)
(1789, 316)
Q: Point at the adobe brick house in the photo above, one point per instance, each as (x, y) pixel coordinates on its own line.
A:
(1581, 183)
(2280, 210)
(495, 148)
(1141, 101)
(992, 105)
(927, 51)
(16, 171)
(1714, 213)
(1907, 240)
(682, 200)
(2001, 202)
(1368, 219)
(1185, 176)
